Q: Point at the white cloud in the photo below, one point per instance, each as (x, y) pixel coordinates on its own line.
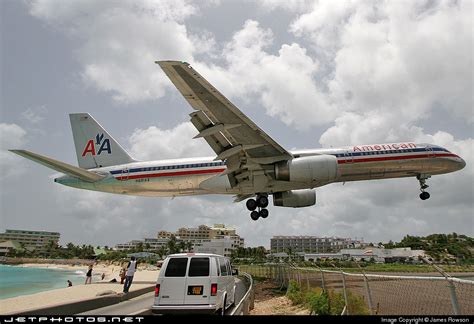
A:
(157, 144)
(288, 5)
(283, 83)
(119, 41)
(12, 136)
(402, 57)
(35, 115)
(373, 71)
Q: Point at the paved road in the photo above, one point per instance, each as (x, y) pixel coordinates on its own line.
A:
(144, 302)
(126, 307)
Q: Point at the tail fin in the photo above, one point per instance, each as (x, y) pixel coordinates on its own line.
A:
(94, 146)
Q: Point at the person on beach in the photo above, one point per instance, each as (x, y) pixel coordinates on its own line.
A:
(131, 268)
(69, 283)
(122, 275)
(103, 276)
(89, 275)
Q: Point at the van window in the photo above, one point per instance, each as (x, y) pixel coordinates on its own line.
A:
(199, 267)
(176, 267)
(223, 267)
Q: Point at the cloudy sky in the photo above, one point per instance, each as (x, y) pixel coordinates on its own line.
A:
(310, 73)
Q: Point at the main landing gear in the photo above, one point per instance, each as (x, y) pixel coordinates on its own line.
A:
(257, 207)
(422, 179)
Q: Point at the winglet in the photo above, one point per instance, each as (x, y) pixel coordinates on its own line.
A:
(63, 167)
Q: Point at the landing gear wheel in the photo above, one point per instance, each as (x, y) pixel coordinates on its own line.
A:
(262, 201)
(263, 213)
(424, 195)
(251, 204)
(254, 215)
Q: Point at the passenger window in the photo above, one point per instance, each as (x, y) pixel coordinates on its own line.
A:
(199, 267)
(176, 267)
(223, 267)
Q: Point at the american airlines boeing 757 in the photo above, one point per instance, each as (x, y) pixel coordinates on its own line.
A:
(248, 163)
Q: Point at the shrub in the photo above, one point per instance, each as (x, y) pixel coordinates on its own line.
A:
(294, 292)
(317, 301)
(357, 304)
(336, 302)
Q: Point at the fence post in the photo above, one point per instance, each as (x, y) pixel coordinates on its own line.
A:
(344, 289)
(452, 288)
(369, 295)
(367, 288)
(307, 280)
(345, 293)
(322, 280)
(454, 298)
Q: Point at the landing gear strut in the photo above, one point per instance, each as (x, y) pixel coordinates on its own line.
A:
(257, 206)
(422, 179)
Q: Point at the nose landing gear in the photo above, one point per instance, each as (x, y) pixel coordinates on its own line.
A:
(422, 180)
(257, 207)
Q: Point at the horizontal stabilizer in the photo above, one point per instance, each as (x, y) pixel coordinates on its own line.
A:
(68, 169)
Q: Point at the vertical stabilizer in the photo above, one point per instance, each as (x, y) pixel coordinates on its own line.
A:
(95, 148)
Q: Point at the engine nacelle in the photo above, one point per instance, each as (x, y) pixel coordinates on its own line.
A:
(318, 168)
(295, 198)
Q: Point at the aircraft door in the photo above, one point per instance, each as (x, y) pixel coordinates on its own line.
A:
(125, 172)
(430, 152)
(348, 157)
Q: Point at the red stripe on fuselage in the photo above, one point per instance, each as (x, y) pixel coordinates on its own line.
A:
(391, 158)
(169, 174)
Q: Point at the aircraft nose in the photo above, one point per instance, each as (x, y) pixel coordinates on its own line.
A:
(461, 163)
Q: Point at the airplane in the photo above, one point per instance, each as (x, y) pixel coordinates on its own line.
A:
(248, 164)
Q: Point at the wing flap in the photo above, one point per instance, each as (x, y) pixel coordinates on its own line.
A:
(59, 166)
(248, 151)
(237, 128)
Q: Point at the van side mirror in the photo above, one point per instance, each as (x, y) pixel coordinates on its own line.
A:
(235, 272)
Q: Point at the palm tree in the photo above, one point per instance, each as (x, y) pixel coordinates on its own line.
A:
(162, 250)
(181, 246)
(172, 245)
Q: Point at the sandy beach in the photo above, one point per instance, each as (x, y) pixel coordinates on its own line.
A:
(144, 277)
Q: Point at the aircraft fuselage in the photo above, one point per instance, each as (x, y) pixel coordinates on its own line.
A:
(168, 178)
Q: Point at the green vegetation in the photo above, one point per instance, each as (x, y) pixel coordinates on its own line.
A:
(448, 248)
(249, 255)
(322, 303)
(87, 252)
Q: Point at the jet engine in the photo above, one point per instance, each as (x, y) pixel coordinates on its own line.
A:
(295, 198)
(309, 169)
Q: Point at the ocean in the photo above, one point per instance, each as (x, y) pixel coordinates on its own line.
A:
(18, 281)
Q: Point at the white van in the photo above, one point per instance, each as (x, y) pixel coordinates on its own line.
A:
(194, 282)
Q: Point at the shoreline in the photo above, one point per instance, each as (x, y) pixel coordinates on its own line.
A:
(144, 277)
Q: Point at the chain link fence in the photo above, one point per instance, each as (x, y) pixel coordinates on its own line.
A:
(378, 294)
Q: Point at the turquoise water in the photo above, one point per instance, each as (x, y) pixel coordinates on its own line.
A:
(18, 281)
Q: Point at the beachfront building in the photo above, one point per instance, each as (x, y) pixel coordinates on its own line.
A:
(311, 244)
(379, 255)
(217, 239)
(39, 241)
(222, 246)
(9, 247)
(147, 244)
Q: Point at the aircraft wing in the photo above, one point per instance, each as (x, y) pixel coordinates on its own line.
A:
(249, 152)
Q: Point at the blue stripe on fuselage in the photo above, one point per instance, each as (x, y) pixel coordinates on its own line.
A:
(171, 167)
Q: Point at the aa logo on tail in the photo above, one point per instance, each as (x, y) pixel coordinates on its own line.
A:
(101, 142)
